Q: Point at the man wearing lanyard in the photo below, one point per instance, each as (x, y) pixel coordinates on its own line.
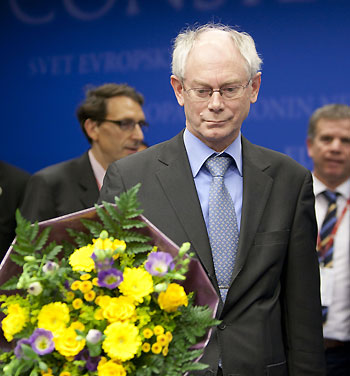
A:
(328, 143)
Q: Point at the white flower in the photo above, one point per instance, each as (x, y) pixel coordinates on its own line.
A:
(50, 267)
(35, 288)
(93, 336)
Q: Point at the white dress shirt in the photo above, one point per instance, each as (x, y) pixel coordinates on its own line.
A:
(97, 168)
(337, 325)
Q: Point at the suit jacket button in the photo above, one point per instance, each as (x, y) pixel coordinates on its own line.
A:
(222, 326)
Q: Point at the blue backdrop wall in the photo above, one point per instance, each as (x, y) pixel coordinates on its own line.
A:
(50, 50)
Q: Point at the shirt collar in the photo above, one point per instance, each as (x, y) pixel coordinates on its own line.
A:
(198, 152)
(343, 189)
(98, 170)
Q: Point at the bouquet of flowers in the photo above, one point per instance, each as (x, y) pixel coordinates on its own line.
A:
(107, 303)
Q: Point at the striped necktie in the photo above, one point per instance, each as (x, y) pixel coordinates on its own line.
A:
(223, 228)
(325, 247)
(325, 243)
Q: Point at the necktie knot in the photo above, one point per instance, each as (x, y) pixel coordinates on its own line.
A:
(330, 196)
(217, 166)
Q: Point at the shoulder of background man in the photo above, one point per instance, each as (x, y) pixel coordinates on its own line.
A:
(66, 170)
(163, 152)
(12, 175)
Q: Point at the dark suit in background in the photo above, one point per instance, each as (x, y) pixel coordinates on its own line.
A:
(60, 189)
(12, 185)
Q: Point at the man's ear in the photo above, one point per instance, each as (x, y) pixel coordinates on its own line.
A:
(256, 82)
(92, 129)
(309, 143)
(178, 89)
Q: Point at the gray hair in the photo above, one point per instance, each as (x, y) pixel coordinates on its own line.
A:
(330, 112)
(186, 39)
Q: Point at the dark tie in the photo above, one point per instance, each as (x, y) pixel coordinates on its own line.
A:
(325, 247)
(223, 228)
(325, 243)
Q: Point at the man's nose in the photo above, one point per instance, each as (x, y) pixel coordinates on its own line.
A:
(216, 102)
(137, 133)
(336, 144)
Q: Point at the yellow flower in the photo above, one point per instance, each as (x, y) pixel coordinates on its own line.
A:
(165, 350)
(119, 309)
(77, 325)
(65, 373)
(75, 285)
(47, 373)
(137, 283)
(147, 333)
(11, 325)
(77, 303)
(85, 277)
(69, 296)
(15, 309)
(81, 260)
(158, 329)
(146, 347)
(122, 341)
(169, 336)
(67, 343)
(110, 368)
(174, 297)
(53, 316)
(15, 321)
(103, 301)
(85, 286)
(162, 339)
(95, 281)
(99, 314)
(90, 296)
(156, 348)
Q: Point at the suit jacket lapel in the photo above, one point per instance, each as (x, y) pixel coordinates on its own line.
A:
(176, 178)
(86, 181)
(256, 189)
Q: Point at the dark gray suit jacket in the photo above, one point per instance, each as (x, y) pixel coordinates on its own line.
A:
(12, 185)
(60, 189)
(271, 320)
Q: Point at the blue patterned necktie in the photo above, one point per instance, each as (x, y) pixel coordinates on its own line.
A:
(223, 228)
(325, 244)
(325, 249)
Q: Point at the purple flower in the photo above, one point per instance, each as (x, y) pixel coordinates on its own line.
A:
(102, 263)
(41, 341)
(158, 263)
(110, 278)
(18, 349)
(91, 362)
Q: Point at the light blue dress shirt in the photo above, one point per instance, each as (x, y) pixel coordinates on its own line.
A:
(198, 153)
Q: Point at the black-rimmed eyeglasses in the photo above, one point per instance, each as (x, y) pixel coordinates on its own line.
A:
(126, 124)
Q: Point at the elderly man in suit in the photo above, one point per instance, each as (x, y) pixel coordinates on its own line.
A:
(247, 211)
(112, 119)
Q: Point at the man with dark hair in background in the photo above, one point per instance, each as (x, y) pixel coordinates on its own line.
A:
(247, 211)
(328, 143)
(112, 119)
